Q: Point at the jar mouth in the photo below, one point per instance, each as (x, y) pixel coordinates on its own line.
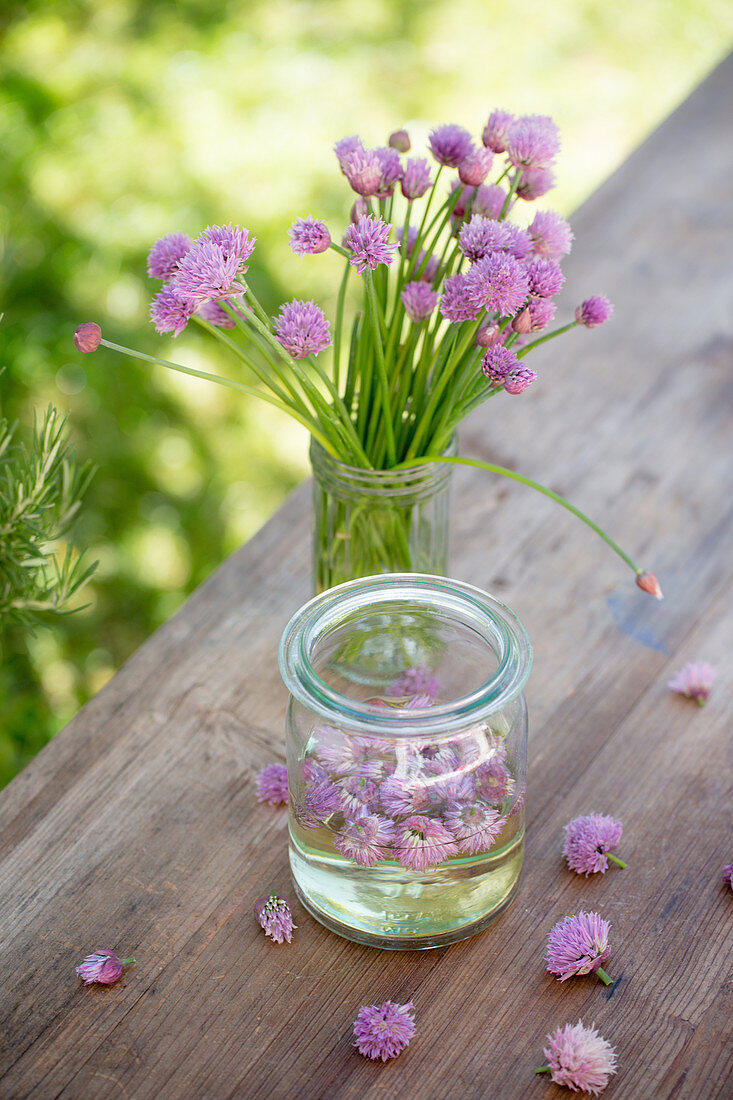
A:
(478, 611)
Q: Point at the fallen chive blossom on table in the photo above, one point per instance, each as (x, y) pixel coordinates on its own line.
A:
(588, 843)
(578, 945)
(383, 1031)
(579, 1058)
(728, 875)
(694, 680)
(104, 967)
(275, 918)
(272, 784)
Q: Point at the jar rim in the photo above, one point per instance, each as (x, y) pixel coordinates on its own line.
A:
(496, 622)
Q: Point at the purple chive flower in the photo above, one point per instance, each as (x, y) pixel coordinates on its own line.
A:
(234, 242)
(464, 202)
(475, 166)
(216, 315)
(489, 200)
(391, 165)
(490, 334)
(402, 797)
(411, 238)
(169, 312)
(345, 755)
(104, 967)
(496, 130)
(535, 183)
(320, 796)
(166, 254)
(423, 843)
(207, 272)
(419, 301)
(302, 329)
(545, 277)
(419, 702)
(359, 795)
(474, 826)
(588, 843)
(579, 1058)
(308, 235)
(418, 680)
(367, 242)
(366, 840)
(497, 362)
(551, 235)
(399, 140)
(594, 311)
(480, 236)
(358, 210)
(519, 379)
(695, 679)
(275, 918)
(728, 875)
(450, 144)
(272, 784)
(415, 178)
(88, 337)
(459, 301)
(533, 142)
(344, 148)
(363, 170)
(578, 945)
(541, 311)
(498, 282)
(493, 780)
(383, 1031)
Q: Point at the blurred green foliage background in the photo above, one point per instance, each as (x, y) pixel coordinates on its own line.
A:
(122, 120)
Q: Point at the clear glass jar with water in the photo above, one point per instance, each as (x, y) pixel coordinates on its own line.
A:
(407, 752)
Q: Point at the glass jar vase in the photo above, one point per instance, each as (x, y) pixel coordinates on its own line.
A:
(407, 781)
(378, 521)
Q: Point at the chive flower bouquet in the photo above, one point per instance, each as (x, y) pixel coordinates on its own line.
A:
(454, 297)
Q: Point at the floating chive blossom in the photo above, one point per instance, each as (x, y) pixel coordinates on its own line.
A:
(415, 178)
(275, 918)
(579, 1058)
(545, 277)
(519, 379)
(588, 843)
(309, 236)
(272, 784)
(694, 680)
(418, 680)
(419, 301)
(207, 273)
(496, 130)
(728, 875)
(365, 839)
(166, 254)
(302, 329)
(594, 311)
(499, 282)
(320, 797)
(532, 142)
(169, 312)
(104, 967)
(578, 945)
(497, 362)
(423, 843)
(383, 1031)
(475, 167)
(88, 337)
(474, 826)
(535, 183)
(551, 235)
(367, 242)
(450, 144)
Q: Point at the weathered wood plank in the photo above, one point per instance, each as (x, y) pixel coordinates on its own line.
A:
(138, 828)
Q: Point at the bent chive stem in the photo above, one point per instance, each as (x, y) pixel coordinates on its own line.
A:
(604, 976)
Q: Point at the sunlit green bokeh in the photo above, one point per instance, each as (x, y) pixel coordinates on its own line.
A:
(121, 121)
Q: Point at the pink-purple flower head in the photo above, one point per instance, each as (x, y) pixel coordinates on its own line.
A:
(415, 178)
(104, 967)
(275, 918)
(399, 140)
(545, 277)
(365, 839)
(482, 235)
(344, 149)
(474, 826)
(589, 841)
(475, 166)
(207, 273)
(169, 312)
(533, 141)
(363, 170)
(234, 242)
(727, 875)
(459, 301)
(383, 1031)
(535, 183)
(550, 234)
(302, 329)
(166, 254)
(578, 945)
(489, 200)
(450, 144)
(417, 680)
(540, 312)
(419, 301)
(359, 794)
(272, 784)
(423, 843)
(594, 311)
(579, 1058)
(217, 315)
(320, 797)
(309, 236)
(694, 680)
(391, 166)
(87, 337)
(499, 282)
(368, 244)
(496, 130)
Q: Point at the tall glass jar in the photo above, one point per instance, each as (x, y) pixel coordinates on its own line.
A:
(406, 780)
(378, 521)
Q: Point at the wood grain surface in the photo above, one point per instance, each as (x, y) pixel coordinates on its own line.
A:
(137, 828)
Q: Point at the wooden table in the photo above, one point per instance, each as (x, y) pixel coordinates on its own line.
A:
(138, 828)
